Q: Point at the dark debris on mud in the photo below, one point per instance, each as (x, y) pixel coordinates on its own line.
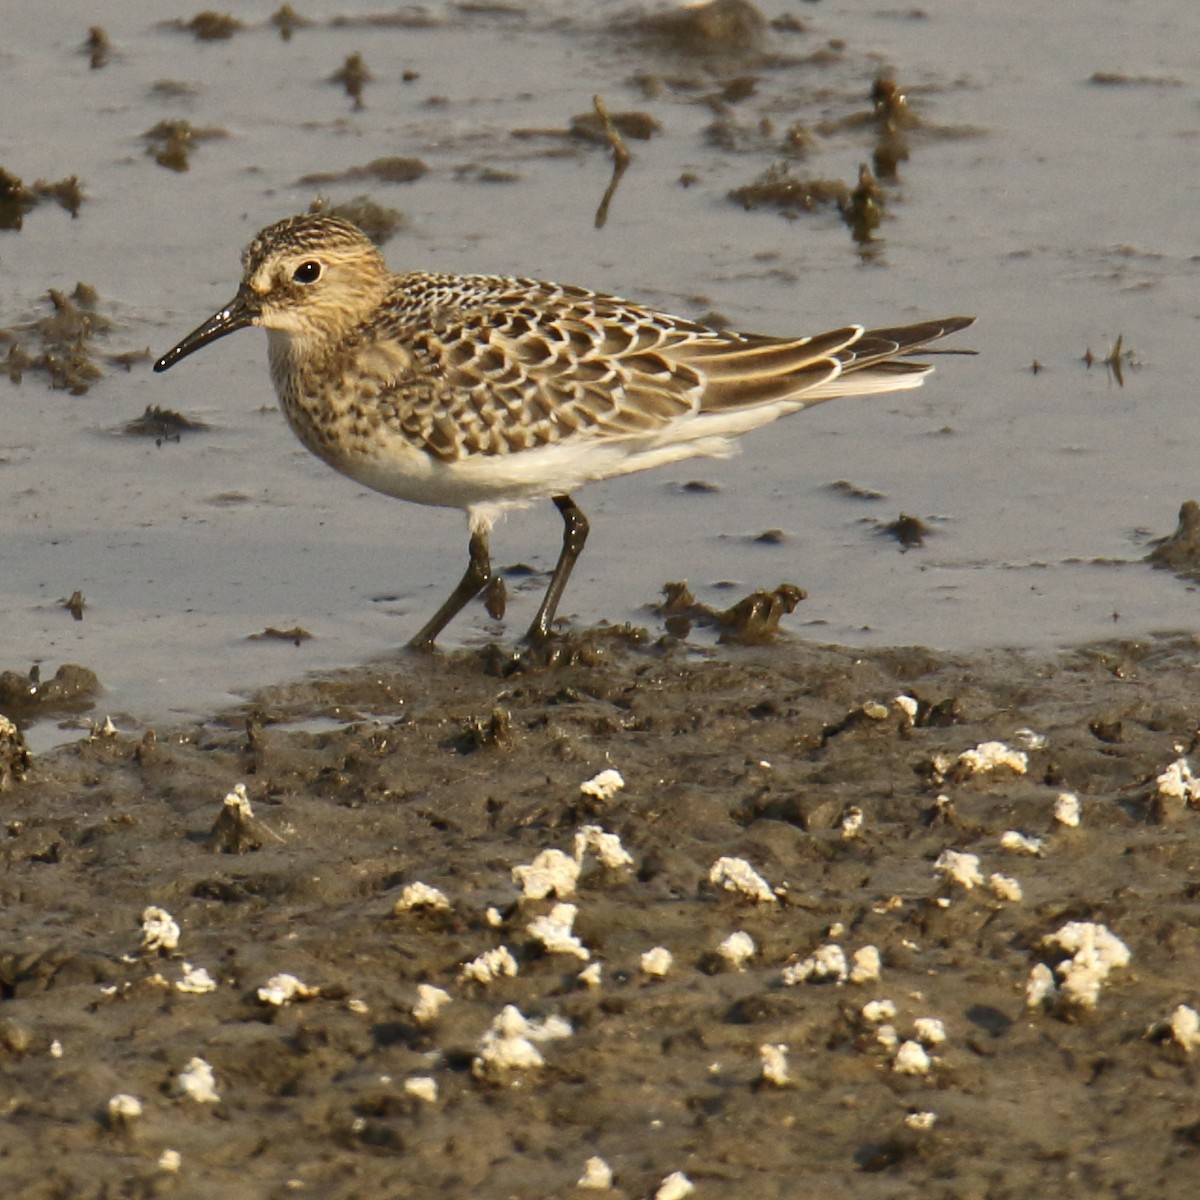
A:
(61, 346)
(390, 169)
(207, 26)
(1180, 552)
(162, 424)
(17, 199)
(171, 142)
(26, 697)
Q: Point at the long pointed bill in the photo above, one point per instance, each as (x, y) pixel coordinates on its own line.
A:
(241, 311)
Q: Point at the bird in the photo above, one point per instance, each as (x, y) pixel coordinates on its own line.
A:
(487, 393)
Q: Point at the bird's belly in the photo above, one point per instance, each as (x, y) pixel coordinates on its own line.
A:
(379, 457)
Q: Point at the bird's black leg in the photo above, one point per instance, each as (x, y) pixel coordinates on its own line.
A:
(475, 578)
(575, 531)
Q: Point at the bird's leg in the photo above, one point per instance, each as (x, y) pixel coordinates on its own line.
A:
(475, 578)
(575, 531)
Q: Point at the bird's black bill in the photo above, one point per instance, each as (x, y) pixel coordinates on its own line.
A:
(239, 313)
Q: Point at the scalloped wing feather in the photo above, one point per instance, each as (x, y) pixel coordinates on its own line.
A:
(501, 365)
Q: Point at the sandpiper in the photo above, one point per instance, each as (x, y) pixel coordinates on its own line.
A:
(486, 393)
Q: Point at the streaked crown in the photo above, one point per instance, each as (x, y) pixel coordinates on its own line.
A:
(313, 276)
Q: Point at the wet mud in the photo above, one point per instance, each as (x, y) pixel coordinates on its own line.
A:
(222, 942)
(766, 918)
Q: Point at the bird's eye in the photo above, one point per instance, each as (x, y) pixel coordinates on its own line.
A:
(307, 272)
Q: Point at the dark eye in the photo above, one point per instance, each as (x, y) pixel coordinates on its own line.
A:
(307, 272)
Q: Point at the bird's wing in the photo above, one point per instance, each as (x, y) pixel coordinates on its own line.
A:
(503, 365)
(535, 365)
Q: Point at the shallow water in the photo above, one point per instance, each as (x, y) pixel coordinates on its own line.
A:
(1056, 209)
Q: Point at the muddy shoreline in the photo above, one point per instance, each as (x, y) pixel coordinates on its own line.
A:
(794, 757)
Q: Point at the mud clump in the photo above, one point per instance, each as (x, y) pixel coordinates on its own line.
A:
(413, 17)
(16, 200)
(97, 47)
(863, 208)
(287, 21)
(860, 207)
(721, 29)
(170, 143)
(162, 424)
(353, 75)
(14, 754)
(752, 621)
(1180, 552)
(590, 127)
(779, 189)
(391, 169)
(60, 345)
(910, 532)
(22, 697)
(208, 26)
(297, 635)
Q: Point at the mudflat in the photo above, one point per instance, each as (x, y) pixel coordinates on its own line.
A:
(951, 977)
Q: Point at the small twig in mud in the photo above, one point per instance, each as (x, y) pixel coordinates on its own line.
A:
(1115, 360)
(621, 159)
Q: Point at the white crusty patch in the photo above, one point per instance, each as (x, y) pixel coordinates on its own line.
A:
(430, 1002)
(867, 966)
(676, 1186)
(488, 966)
(774, 1064)
(283, 989)
(1040, 988)
(911, 1059)
(1095, 953)
(123, 1109)
(737, 949)
(825, 963)
(603, 787)
(959, 867)
(852, 822)
(510, 1043)
(605, 846)
(196, 981)
(929, 1031)
(876, 1012)
(1066, 810)
(597, 1175)
(239, 801)
(1016, 842)
(591, 975)
(196, 1082)
(552, 873)
(418, 896)
(991, 756)
(737, 875)
(1178, 783)
(657, 962)
(160, 931)
(422, 1087)
(1005, 887)
(553, 930)
(1184, 1025)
